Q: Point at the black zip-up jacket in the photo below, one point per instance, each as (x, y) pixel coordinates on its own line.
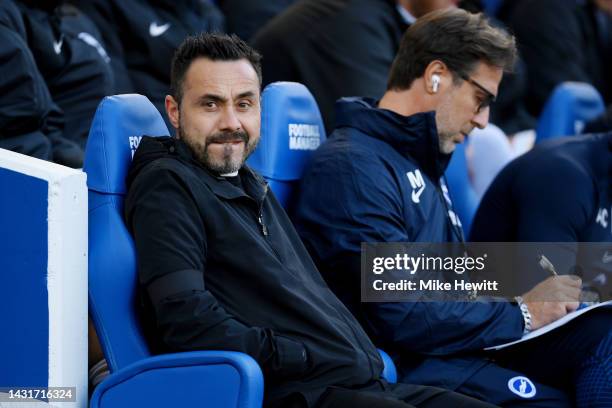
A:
(223, 268)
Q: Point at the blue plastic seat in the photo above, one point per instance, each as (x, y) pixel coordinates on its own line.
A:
(291, 129)
(568, 108)
(464, 197)
(198, 378)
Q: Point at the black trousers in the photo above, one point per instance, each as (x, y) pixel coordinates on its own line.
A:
(397, 396)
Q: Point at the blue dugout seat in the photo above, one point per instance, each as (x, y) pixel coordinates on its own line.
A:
(199, 378)
(568, 108)
(464, 197)
(291, 129)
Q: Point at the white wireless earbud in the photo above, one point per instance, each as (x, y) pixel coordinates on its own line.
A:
(435, 83)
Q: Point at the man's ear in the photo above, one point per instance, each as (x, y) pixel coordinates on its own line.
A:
(172, 109)
(436, 77)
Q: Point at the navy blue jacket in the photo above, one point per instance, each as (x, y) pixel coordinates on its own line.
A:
(561, 191)
(357, 189)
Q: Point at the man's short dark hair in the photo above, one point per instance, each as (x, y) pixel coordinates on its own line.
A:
(459, 39)
(215, 47)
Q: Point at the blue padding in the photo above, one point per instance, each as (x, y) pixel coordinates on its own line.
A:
(112, 282)
(115, 132)
(212, 379)
(568, 108)
(389, 371)
(465, 199)
(291, 128)
(117, 127)
(24, 310)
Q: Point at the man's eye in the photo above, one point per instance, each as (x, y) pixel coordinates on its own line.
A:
(481, 102)
(244, 105)
(209, 104)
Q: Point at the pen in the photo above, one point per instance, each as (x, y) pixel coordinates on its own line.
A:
(547, 265)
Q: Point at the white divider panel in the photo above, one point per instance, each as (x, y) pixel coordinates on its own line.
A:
(43, 256)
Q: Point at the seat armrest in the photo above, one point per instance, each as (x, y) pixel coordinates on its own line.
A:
(216, 379)
(389, 372)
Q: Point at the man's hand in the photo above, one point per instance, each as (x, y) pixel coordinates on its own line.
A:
(552, 299)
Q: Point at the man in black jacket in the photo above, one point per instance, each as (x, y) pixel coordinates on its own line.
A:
(337, 47)
(55, 72)
(221, 266)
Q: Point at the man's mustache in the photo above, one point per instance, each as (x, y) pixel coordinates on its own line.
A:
(228, 137)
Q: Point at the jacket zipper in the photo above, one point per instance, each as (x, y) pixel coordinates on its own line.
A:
(264, 228)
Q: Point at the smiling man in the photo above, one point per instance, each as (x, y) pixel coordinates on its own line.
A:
(379, 178)
(220, 265)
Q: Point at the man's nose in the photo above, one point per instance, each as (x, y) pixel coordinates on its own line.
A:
(481, 119)
(229, 120)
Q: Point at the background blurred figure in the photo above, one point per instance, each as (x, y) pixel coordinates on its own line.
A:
(338, 47)
(564, 40)
(245, 17)
(55, 72)
(142, 36)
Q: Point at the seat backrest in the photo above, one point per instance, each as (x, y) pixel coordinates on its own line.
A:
(291, 129)
(568, 108)
(119, 124)
(463, 195)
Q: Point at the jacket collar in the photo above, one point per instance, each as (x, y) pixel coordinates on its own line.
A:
(414, 137)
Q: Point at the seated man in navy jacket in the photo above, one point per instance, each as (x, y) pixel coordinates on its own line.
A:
(379, 178)
(220, 265)
(561, 191)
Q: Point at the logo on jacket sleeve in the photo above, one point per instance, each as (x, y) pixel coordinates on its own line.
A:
(156, 30)
(602, 217)
(417, 183)
(522, 386)
(57, 45)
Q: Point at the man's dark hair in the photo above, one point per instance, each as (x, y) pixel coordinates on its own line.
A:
(459, 39)
(215, 47)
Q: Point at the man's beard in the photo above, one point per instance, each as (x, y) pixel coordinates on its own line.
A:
(227, 164)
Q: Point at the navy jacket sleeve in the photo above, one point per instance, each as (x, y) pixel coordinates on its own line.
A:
(538, 199)
(25, 101)
(31, 122)
(349, 201)
(171, 244)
